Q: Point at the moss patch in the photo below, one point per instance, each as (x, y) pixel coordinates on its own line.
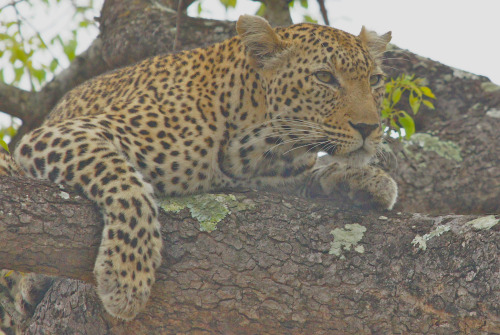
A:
(208, 209)
(445, 149)
(421, 241)
(493, 113)
(347, 238)
(483, 223)
(490, 87)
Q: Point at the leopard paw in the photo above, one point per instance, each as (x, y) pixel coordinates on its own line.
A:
(368, 186)
(374, 190)
(125, 268)
(123, 292)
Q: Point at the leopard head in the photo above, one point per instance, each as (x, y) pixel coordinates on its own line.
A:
(323, 86)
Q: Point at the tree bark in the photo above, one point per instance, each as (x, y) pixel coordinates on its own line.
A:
(269, 269)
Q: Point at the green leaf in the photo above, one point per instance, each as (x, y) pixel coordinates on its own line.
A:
(385, 112)
(39, 74)
(3, 144)
(56, 39)
(389, 87)
(199, 9)
(11, 131)
(18, 53)
(407, 123)
(304, 4)
(396, 95)
(416, 89)
(427, 92)
(84, 24)
(10, 24)
(10, 272)
(53, 65)
(81, 9)
(261, 10)
(415, 107)
(309, 19)
(228, 3)
(18, 73)
(429, 104)
(69, 49)
(414, 103)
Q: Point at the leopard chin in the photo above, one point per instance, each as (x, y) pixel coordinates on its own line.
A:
(357, 158)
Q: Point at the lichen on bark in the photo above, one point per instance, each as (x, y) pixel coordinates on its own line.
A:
(208, 209)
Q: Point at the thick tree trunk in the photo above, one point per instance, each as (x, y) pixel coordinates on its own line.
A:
(277, 264)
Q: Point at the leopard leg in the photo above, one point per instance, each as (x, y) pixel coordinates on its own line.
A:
(368, 185)
(129, 253)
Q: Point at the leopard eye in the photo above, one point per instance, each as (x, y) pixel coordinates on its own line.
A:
(326, 77)
(376, 79)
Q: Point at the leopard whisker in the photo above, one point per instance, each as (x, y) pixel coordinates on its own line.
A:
(305, 145)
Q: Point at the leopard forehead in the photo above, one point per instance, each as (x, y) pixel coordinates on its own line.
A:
(344, 52)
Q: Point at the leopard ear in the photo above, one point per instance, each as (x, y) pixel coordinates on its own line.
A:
(375, 43)
(258, 36)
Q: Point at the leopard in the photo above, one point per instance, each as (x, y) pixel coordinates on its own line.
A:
(251, 112)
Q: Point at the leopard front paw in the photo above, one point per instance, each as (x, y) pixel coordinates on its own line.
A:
(368, 186)
(376, 189)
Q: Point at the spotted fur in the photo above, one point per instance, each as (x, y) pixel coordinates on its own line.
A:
(252, 111)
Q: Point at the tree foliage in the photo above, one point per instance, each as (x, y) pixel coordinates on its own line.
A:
(33, 49)
(396, 118)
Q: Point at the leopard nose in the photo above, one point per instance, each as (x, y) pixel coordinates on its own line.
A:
(364, 129)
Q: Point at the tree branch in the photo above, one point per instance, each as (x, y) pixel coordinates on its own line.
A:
(272, 267)
(323, 11)
(277, 12)
(177, 26)
(14, 101)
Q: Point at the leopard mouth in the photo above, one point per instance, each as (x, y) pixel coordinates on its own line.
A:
(357, 158)
(362, 154)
